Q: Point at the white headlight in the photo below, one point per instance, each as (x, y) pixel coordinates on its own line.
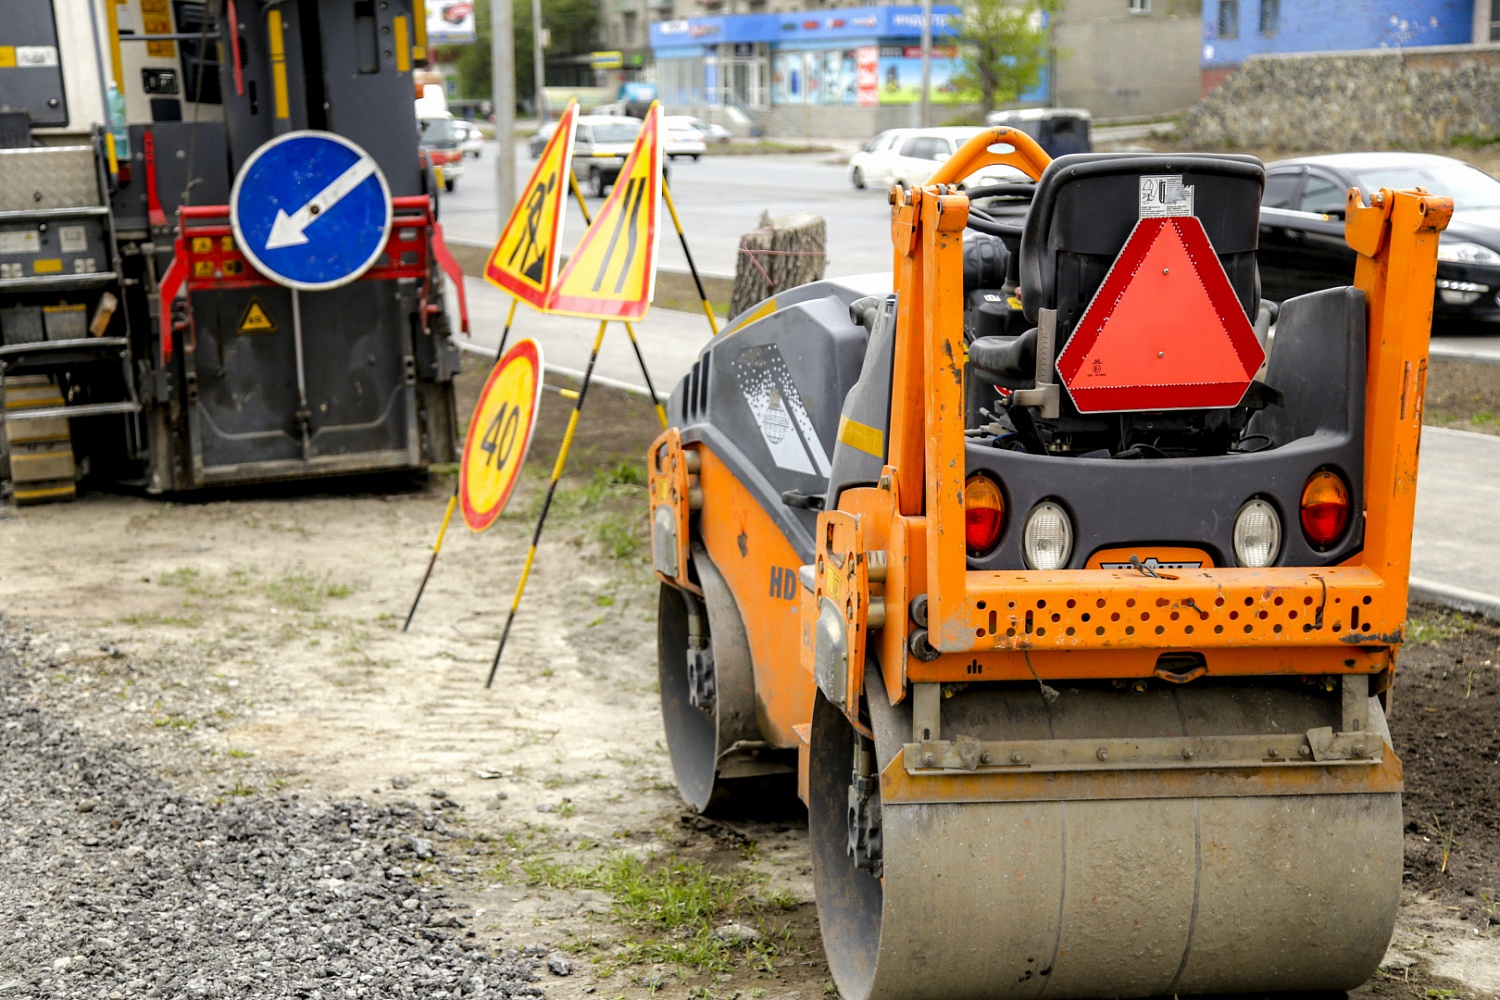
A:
(1461, 252)
(1047, 541)
(1257, 534)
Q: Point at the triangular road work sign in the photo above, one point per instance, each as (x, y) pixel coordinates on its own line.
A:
(612, 273)
(524, 261)
(1165, 331)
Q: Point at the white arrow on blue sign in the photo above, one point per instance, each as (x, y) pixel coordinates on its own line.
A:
(311, 210)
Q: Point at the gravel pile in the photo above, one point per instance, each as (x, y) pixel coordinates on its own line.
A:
(113, 884)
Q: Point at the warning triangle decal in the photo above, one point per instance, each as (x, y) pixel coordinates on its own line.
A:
(1165, 331)
(612, 273)
(256, 319)
(524, 261)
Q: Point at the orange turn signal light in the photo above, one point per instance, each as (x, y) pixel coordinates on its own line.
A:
(984, 514)
(1325, 509)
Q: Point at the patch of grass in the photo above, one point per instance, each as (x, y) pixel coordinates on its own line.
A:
(1430, 626)
(173, 722)
(1484, 417)
(239, 754)
(1468, 140)
(670, 905)
(304, 591)
(620, 535)
(605, 600)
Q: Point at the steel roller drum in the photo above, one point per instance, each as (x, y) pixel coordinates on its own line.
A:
(1101, 897)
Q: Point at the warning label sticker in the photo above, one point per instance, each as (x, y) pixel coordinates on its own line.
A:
(256, 319)
(1164, 195)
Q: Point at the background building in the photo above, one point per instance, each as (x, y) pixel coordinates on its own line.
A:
(1235, 30)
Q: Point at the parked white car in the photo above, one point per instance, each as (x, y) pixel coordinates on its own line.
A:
(470, 139)
(708, 130)
(908, 156)
(681, 140)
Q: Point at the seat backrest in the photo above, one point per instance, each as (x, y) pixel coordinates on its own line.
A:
(1087, 204)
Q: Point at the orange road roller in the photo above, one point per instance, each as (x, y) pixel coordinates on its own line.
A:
(1065, 577)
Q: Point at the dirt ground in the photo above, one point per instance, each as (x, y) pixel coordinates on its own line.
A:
(253, 646)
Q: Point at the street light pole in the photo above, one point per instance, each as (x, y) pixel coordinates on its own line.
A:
(926, 63)
(503, 86)
(538, 66)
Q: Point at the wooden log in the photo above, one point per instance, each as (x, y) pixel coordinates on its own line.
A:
(782, 253)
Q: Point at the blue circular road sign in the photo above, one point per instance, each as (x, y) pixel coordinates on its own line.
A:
(311, 210)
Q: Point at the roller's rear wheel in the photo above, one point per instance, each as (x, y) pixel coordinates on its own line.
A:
(1085, 897)
(708, 698)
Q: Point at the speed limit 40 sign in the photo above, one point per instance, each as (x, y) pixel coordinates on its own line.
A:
(499, 434)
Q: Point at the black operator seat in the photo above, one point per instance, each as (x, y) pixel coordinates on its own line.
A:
(1086, 206)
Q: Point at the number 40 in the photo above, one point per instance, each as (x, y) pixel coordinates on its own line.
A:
(500, 436)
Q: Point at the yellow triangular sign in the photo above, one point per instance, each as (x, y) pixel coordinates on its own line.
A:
(612, 273)
(256, 319)
(524, 261)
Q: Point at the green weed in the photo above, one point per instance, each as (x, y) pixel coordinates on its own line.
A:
(304, 591)
(1430, 626)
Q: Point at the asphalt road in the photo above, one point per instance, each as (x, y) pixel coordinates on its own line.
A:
(718, 198)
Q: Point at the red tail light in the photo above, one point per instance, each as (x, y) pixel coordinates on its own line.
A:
(984, 514)
(1325, 509)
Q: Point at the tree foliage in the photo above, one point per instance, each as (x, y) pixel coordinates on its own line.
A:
(1003, 47)
(572, 23)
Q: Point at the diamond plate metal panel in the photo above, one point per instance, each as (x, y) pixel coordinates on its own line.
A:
(48, 177)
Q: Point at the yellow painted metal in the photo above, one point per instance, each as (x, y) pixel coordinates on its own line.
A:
(112, 20)
(278, 65)
(419, 23)
(898, 785)
(402, 44)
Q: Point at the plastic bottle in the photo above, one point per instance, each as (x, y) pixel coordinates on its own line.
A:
(117, 122)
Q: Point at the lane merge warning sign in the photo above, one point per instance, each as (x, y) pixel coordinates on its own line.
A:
(524, 261)
(499, 434)
(255, 319)
(612, 273)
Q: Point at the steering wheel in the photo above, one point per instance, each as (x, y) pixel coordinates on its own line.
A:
(981, 221)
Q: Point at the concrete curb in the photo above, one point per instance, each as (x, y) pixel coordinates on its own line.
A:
(1470, 602)
(1457, 354)
(572, 373)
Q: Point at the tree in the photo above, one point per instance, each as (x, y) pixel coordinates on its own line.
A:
(1002, 47)
(572, 23)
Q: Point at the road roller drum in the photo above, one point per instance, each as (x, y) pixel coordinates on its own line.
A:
(1065, 596)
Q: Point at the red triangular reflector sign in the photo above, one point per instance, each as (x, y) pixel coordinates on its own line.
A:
(1165, 331)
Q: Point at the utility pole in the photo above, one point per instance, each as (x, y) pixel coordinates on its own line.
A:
(503, 84)
(926, 112)
(537, 65)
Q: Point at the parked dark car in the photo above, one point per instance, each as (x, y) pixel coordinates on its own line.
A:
(1302, 246)
(538, 142)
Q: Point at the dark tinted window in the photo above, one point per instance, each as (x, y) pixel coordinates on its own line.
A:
(917, 146)
(1281, 189)
(1229, 18)
(1323, 195)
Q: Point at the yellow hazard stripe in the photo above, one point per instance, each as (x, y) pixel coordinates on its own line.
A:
(278, 65)
(419, 21)
(403, 46)
(862, 437)
(22, 493)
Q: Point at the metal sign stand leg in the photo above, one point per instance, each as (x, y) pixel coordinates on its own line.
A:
(557, 471)
(304, 415)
